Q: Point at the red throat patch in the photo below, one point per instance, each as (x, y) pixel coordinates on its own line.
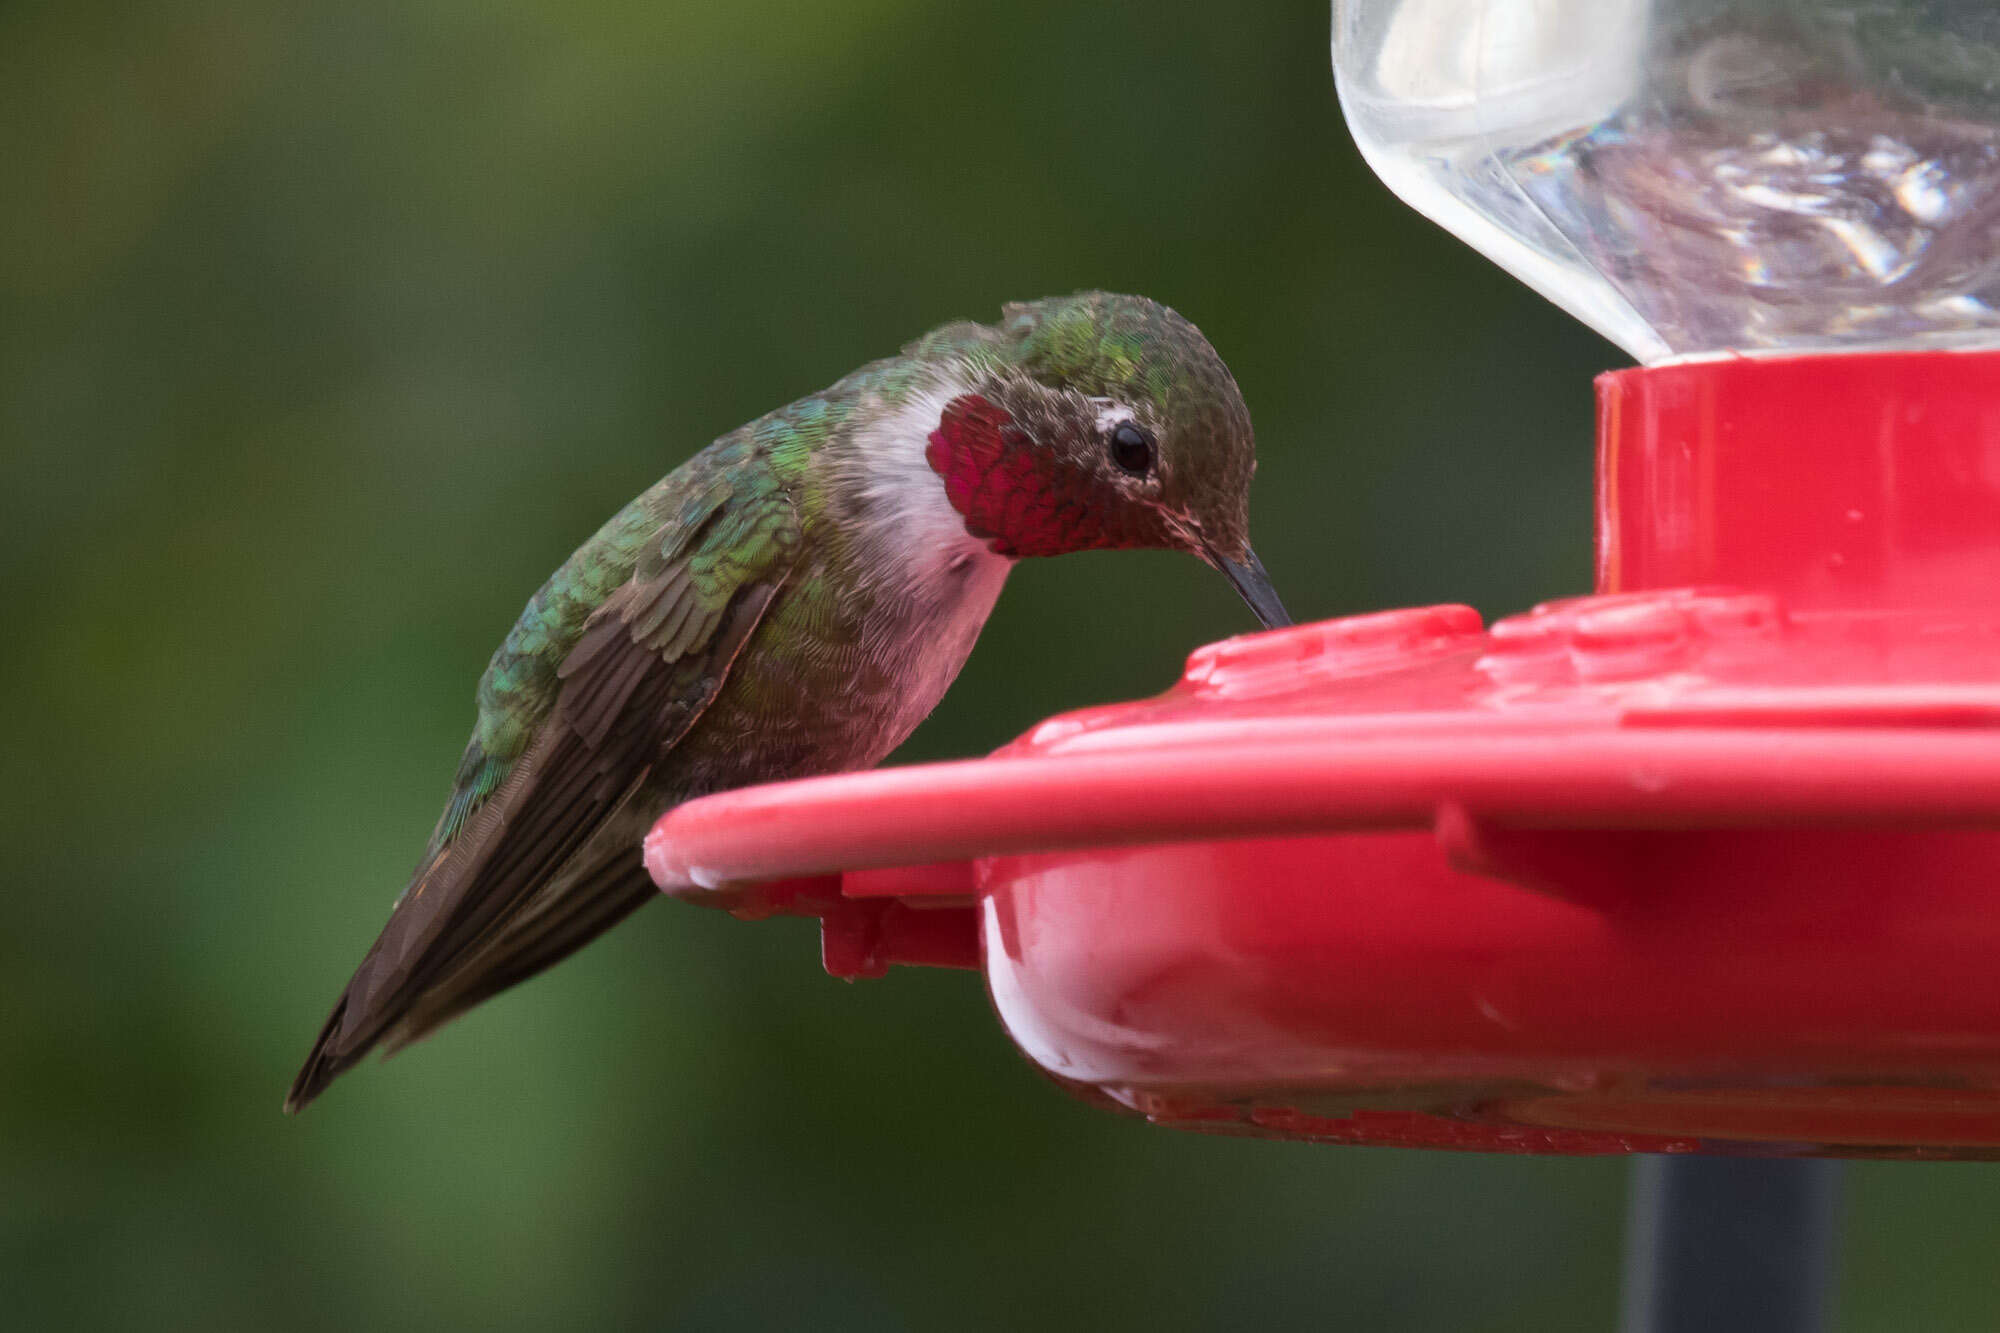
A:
(1022, 499)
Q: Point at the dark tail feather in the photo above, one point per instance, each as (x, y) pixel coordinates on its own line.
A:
(321, 1067)
(393, 1016)
(592, 906)
(381, 989)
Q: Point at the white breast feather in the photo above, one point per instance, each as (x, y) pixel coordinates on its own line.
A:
(921, 549)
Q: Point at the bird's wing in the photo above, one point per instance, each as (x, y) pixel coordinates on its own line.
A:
(481, 912)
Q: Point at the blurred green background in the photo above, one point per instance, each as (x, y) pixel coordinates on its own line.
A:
(326, 330)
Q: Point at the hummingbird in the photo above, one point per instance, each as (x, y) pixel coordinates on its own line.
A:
(790, 601)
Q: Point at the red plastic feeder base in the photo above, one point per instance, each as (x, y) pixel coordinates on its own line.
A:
(1710, 859)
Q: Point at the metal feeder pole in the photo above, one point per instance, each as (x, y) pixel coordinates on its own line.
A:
(1729, 1244)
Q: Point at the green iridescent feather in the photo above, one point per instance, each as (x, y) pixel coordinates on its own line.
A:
(522, 682)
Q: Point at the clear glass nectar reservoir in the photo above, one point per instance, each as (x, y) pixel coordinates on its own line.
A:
(1700, 176)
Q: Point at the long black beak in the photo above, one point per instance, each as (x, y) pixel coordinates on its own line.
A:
(1247, 576)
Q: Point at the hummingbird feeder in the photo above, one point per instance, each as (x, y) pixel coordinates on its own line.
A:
(1708, 858)
(1705, 861)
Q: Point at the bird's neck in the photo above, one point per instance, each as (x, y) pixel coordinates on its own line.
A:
(891, 504)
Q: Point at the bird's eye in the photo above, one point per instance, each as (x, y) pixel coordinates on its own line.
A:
(1132, 448)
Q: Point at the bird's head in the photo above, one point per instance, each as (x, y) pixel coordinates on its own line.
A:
(1103, 421)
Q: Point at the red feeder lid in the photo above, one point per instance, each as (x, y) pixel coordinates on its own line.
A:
(1706, 858)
